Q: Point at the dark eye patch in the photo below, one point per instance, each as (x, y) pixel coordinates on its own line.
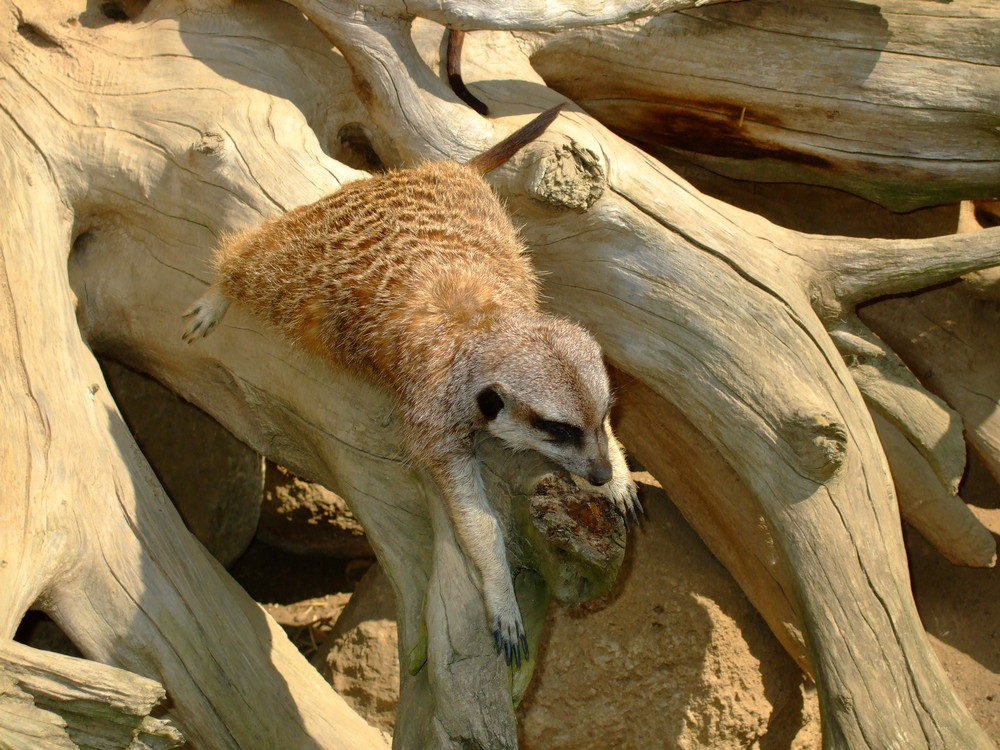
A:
(559, 432)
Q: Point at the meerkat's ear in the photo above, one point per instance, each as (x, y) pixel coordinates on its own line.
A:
(490, 402)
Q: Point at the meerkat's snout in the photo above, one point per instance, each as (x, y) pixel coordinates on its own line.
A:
(600, 471)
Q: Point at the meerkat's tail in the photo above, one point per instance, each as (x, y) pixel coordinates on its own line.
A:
(513, 143)
(453, 63)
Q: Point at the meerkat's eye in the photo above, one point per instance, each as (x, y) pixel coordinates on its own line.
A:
(490, 403)
(559, 432)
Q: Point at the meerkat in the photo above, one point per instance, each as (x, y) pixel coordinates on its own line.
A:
(417, 279)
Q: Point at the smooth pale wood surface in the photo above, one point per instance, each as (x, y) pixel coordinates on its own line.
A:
(126, 175)
(951, 336)
(893, 101)
(719, 312)
(514, 14)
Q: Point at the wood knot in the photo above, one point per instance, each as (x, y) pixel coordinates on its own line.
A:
(210, 144)
(567, 176)
(819, 442)
(38, 35)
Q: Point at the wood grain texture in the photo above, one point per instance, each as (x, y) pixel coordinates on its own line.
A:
(50, 701)
(88, 534)
(892, 101)
(132, 147)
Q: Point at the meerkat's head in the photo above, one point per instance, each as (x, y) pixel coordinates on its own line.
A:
(545, 388)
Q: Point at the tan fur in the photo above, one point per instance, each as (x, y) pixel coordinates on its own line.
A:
(423, 252)
(417, 279)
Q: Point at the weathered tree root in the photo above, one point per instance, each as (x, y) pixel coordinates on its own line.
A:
(721, 316)
(50, 701)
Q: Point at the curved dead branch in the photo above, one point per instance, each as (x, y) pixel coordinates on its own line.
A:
(719, 316)
(496, 14)
(891, 101)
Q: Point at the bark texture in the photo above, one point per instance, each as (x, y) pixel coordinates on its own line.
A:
(130, 147)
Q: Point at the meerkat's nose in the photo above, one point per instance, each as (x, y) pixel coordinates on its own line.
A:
(600, 472)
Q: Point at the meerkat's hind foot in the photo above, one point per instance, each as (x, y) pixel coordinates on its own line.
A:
(204, 315)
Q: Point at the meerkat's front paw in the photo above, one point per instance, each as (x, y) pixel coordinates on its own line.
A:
(204, 314)
(624, 496)
(508, 633)
(621, 490)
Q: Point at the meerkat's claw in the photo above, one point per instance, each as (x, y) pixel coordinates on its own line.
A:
(510, 641)
(198, 327)
(204, 315)
(624, 497)
(634, 505)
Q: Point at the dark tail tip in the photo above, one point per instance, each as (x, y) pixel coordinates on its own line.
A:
(453, 63)
(513, 143)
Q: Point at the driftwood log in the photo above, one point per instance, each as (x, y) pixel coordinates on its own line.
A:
(893, 101)
(132, 137)
(50, 701)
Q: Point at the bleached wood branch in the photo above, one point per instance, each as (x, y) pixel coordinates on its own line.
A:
(950, 336)
(666, 255)
(50, 701)
(922, 436)
(493, 14)
(893, 101)
(853, 271)
(222, 119)
(157, 197)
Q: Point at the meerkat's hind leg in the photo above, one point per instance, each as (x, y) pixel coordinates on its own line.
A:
(481, 539)
(205, 314)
